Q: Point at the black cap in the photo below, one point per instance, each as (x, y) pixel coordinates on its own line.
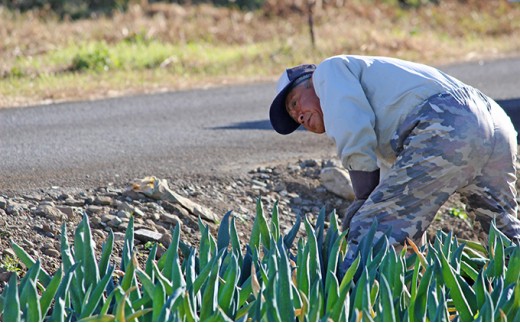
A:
(281, 121)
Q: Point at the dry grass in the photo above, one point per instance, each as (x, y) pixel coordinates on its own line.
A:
(169, 47)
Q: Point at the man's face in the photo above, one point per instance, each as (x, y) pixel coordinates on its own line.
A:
(303, 105)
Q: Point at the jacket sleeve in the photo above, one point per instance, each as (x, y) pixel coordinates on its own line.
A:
(348, 116)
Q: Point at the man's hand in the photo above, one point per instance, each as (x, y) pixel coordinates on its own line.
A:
(352, 209)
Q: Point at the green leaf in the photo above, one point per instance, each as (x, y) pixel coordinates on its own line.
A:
(87, 251)
(128, 245)
(361, 293)
(159, 296)
(227, 288)
(97, 296)
(12, 308)
(314, 264)
(66, 254)
(223, 237)
(204, 274)
(387, 301)
(32, 309)
(62, 295)
(28, 261)
(420, 303)
(288, 240)
(316, 306)
(265, 233)
(332, 293)
(31, 275)
(208, 247)
(210, 295)
(150, 260)
(235, 242)
(168, 285)
(487, 310)
(497, 262)
(513, 267)
(333, 256)
(303, 274)
(49, 292)
(275, 226)
(459, 299)
(106, 252)
(284, 290)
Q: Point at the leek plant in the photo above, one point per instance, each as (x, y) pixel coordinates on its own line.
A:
(275, 277)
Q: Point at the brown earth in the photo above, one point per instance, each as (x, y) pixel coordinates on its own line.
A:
(26, 220)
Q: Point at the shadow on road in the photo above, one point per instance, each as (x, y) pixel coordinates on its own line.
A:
(249, 125)
(511, 106)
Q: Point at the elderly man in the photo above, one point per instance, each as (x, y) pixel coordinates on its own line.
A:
(410, 136)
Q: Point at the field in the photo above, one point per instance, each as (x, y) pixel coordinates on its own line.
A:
(164, 47)
(238, 268)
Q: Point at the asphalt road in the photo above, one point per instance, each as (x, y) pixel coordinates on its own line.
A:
(200, 132)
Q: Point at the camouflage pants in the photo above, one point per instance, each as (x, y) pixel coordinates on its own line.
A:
(457, 141)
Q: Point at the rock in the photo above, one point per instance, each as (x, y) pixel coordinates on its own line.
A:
(73, 202)
(337, 181)
(51, 213)
(94, 209)
(145, 235)
(48, 228)
(115, 222)
(3, 203)
(308, 163)
(158, 189)
(123, 214)
(69, 211)
(5, 276)
(15, 209)
(51, 252)
(103, 200)
(119, 236)
(126, 207)
(166, 239)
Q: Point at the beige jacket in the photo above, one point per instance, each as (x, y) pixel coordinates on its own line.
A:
(365, 99)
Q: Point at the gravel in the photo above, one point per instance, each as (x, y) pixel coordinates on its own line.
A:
(33, 219)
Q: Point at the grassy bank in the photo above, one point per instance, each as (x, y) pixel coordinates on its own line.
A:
(168, 47)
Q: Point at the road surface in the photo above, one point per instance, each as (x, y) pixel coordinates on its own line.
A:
(199, 132)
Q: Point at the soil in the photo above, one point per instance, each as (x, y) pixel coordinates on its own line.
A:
(27, 218)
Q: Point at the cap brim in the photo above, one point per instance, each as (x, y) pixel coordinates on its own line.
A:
(281, 121)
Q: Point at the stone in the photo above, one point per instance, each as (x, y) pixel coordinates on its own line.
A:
(309, 163)
(73, 202)
(8, 252)
(174, 208)
(103, 200)
(15, 209)
(123, 214)
(119, 236)
(145, 235)
(158, 189)
(115, 222)
(94, 209)
(51, 213)
(337, 181)
(48, 228)
(170, 218)
(69, 211)
(51, 252)
(126, 207)
(166, 239)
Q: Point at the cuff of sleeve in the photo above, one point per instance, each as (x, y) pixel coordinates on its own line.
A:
(364, 183)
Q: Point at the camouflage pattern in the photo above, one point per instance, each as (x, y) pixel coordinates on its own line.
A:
(457, 141)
